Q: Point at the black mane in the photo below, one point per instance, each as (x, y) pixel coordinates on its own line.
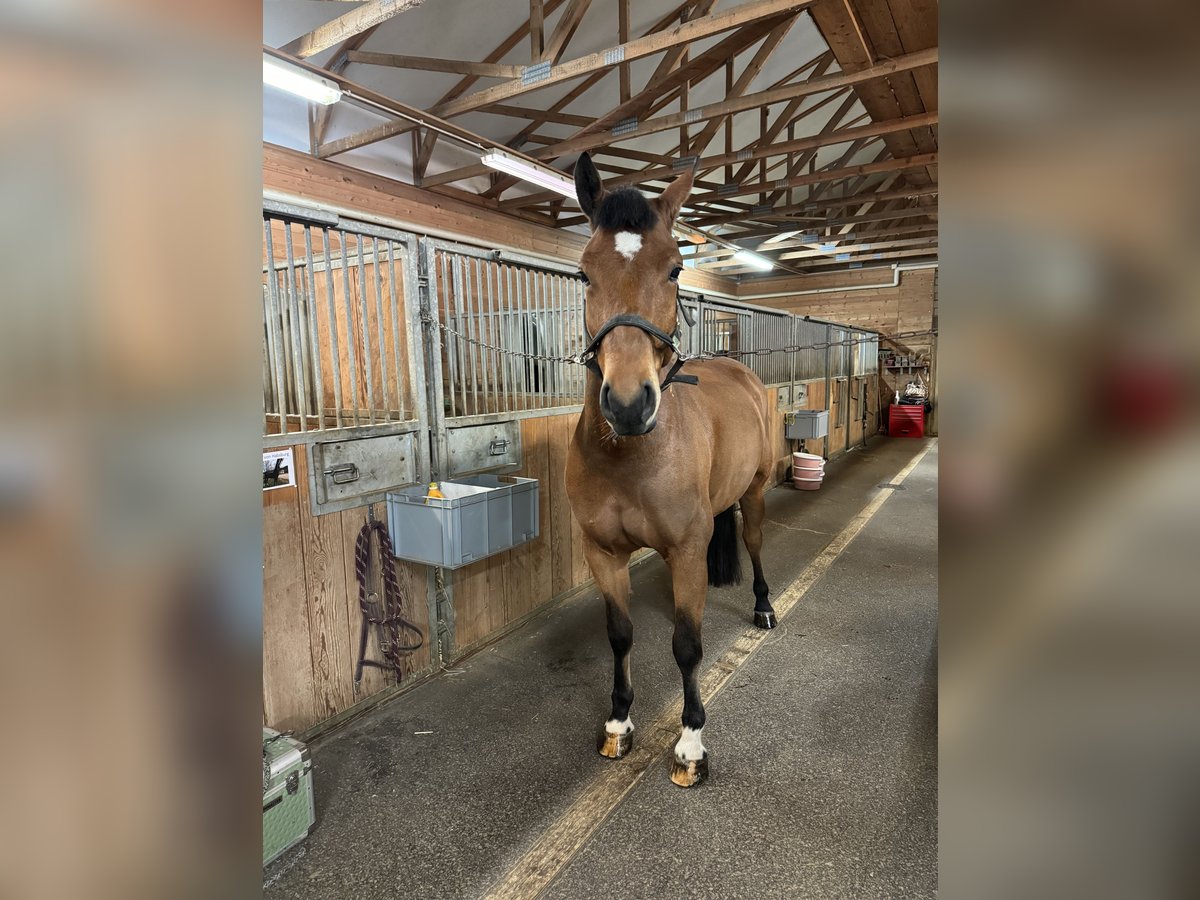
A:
(625, 209)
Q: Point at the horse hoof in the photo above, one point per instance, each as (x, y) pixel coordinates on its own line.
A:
(614, 746)
(765, 620)
(690, 773)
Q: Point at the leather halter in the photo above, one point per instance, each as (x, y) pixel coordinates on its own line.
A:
(634, 321)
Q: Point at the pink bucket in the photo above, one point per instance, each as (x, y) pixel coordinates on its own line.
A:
(807, 461)
(807, 484)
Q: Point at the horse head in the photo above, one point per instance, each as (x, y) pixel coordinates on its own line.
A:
(630, 266)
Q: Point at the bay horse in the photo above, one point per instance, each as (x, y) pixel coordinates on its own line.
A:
(664, 452)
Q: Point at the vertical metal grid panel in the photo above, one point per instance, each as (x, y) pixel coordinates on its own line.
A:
(840, 356)
(810, 363)
(335, 339)
(868, 358)
(496, 306)
(866, 353)
(771, 331)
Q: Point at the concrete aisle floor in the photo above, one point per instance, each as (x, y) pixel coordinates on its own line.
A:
(823, 744)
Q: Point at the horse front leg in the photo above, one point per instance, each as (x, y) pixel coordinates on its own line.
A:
(611, 572)
(689, 581)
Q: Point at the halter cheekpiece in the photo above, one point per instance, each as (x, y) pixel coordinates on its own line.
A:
(588, 356)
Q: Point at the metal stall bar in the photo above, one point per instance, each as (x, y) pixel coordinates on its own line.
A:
(335, 353)
(470, 348)
(351, 343)
(274, 337)
(314, 343)
(365, 331)
(382, 347)
(299, 380)
(485, 355)
(401, 397)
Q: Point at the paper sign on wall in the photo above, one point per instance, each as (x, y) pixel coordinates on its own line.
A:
(278, 469)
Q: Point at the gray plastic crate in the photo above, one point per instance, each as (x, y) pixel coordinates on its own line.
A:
(481, 515)
(808, 423)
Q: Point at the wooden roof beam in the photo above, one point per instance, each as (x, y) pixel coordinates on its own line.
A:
(694, 30)
(358, 20)
(563, 32)
(434, 64)
(890, 165)
(713, 110)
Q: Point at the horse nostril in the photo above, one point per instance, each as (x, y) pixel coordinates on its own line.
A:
(648, 394)
(604, 397)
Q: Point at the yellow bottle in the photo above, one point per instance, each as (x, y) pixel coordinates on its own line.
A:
(434, 492)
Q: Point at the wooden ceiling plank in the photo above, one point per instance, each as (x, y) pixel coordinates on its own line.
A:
(369, 15)
(877, 97)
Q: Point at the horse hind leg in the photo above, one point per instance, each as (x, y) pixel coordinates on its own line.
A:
(753, 512)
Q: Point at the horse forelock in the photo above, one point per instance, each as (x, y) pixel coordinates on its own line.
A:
(625, 209)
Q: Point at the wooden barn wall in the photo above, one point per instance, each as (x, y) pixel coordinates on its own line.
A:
(311, 618)
(908, 307)
(322, 181)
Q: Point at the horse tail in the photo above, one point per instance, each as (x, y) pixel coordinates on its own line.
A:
(724, 564)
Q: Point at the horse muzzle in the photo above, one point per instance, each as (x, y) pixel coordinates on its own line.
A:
(633, 415)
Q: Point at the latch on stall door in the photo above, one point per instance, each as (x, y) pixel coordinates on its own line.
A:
(343, 474)
(498, 447)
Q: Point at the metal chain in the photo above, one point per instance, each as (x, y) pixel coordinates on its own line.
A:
(579, 358)
(575, 358)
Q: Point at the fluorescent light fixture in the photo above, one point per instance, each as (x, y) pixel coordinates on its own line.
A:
(542, 176)
(302, 83)
(753, 259)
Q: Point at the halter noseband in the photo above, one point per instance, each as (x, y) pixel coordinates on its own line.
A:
(589, 354)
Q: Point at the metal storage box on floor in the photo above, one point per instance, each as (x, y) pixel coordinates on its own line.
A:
(289, 812)
(806, 423)
(480, 515)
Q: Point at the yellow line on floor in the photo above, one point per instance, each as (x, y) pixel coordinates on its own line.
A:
(534, 871)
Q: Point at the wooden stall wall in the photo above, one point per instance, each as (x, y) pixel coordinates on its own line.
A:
(493, 593)
(311, 618)
(909, 307)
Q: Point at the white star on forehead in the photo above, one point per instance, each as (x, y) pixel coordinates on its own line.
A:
(628, 244)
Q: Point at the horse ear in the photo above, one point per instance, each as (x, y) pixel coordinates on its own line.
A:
(669, 201)
(588, 188)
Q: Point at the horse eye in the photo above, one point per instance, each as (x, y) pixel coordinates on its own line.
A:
(675, 272)
(583, 277)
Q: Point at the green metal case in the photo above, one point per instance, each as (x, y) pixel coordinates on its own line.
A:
(289, 811)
